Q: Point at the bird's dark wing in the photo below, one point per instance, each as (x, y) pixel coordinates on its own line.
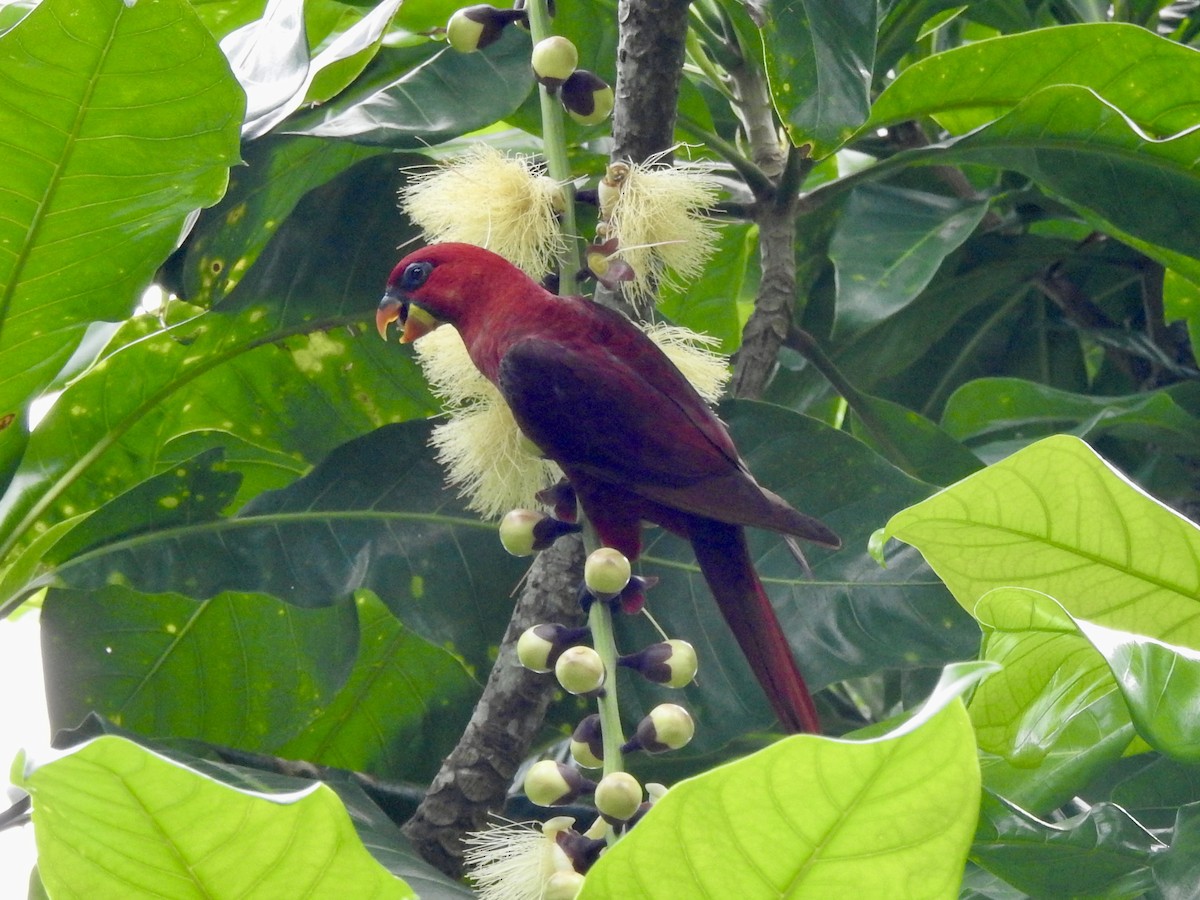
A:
(620, 412)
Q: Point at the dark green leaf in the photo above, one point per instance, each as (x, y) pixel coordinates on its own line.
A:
(236, 669)
(373, 514)
(228, 238)
(819, 58)
(400, 712)
(852, 618)
(910, 441)
(1148, 78)
(1103, 852)
(887, 246)
(1089, 153)
(449, 95)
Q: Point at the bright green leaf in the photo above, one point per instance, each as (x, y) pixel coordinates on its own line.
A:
(113, 819)
(136, 132)
(1181, 300)
(1149, 78)
(1055, 518)
(816, 817)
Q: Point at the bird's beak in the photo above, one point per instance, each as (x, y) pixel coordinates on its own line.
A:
(414, 321)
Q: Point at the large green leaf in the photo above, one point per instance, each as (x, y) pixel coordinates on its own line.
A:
(1103, 852)
(228, 238)
(816, 817)
(259, 371)
(1056, 518)
(819, 58)
(1149, 78)
(116, 121)
(1087, 151)
(373, 514)
(1007, 410)
(240, 670)
(888, 245)
(400, 712)
(113, 819)
(447, 96)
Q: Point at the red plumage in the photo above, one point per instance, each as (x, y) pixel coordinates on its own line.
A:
(635, 440)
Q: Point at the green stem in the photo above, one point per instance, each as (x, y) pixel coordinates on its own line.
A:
(600, 620)
(554, 146)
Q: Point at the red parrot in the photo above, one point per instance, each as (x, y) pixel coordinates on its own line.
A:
(634, 439)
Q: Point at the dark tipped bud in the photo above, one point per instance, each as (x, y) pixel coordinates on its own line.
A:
(587, 743)
(540, 647)
(550, 783)
(580, 670)
(474, 27)
(606, 573)
(517, 530)
(672, 663)
(618, 796)
(668, 727)
(553, 60)
(587, 97)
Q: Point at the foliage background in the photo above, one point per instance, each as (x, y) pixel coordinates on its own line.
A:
(242, 548)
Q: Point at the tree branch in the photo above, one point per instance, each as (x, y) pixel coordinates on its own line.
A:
(476, 776)
(650, 54)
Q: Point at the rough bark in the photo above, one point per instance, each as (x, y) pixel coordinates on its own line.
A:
(650, 52)
(769, 324)
(476, 776)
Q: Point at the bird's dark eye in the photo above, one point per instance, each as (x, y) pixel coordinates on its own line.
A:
(414, 275)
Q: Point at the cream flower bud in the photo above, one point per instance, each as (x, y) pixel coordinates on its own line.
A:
(587, 743)
(517, 531)
(618, 796)
(606, 572)
(553, 60)
(672, 663)
(474, 27)
(549, 783)
(667, 727)
(580, 670)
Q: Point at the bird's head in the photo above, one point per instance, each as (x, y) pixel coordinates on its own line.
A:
(441, 284)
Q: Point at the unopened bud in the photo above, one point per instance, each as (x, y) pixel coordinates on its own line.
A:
(554, 59)
(606, 572)
(618, 796)
(517, 531)
(580, 670)
(587, 97)
(539, 647)
(672, 663)
(668, 727)
(549, 783)
(474, 27)
(587, 743)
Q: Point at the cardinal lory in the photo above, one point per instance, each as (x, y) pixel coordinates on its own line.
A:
(632, 436)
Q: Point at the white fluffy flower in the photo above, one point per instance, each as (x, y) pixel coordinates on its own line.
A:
(505, 204)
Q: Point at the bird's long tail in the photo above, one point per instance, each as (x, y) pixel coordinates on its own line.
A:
(725, 562)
